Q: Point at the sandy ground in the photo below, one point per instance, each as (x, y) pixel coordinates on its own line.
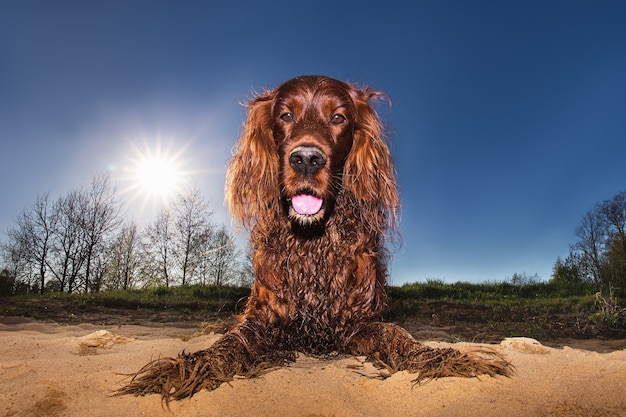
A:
(49, 369)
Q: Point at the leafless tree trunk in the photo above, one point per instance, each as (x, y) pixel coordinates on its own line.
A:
(590, 247)
(31, 240)
(124, 258)
(101, 218)
(177, 239)
(614, 211)
(219, 263)
(69, 247)
(193, 231)
(158, 247)
(245, 271)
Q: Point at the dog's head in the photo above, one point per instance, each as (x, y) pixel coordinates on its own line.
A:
(313, 127)
(303, 144)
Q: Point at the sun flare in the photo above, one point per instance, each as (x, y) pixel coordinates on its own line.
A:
(155, 174)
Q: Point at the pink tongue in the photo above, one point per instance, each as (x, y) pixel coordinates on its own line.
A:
(306, 204)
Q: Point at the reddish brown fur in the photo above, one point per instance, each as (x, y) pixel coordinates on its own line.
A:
(320, 278)
(332, 284)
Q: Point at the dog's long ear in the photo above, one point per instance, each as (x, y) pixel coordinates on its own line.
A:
(369, 172)
(252, 175)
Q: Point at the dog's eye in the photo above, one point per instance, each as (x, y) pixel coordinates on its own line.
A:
(337, 119)
(287, 117)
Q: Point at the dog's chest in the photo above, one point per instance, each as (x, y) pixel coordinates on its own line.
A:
(326, 287)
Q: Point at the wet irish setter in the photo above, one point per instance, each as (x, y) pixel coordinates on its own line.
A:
(312, 179)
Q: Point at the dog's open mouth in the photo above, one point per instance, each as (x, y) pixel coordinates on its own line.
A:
(307, 213)
(306, 204)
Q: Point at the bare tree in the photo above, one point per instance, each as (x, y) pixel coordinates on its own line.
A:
(590, 247)
(101, 218)
(220, 260)
(30, 242)
(600, 253)
(69, 243)
(18, 262)
(158, 248)
(614, 213)
(125, 258)
(245, 269)
(193, 230)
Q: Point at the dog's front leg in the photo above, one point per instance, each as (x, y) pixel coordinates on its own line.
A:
(394, 348)
(239, 352)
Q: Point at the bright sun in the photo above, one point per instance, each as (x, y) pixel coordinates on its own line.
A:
(155, 174)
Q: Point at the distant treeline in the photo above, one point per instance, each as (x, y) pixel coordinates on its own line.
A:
(430, 290)
(499, 292)
(81, 243)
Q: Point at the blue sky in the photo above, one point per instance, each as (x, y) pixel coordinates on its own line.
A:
(508, 119)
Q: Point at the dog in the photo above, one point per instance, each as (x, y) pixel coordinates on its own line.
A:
(313, 181)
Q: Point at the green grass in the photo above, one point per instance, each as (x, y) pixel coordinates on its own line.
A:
(498, 292)
(195, 297)
(559, 296)
(532, 309)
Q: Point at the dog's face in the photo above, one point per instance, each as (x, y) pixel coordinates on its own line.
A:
(306, 145)
(313, 126)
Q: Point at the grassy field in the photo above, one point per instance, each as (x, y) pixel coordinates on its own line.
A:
(462, 311)
(491, 311)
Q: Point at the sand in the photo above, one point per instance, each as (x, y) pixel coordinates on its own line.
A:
(47, 369)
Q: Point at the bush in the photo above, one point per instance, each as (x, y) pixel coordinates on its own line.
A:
(609, 313)
(494, 292)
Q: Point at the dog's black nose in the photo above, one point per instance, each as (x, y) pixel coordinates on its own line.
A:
(307, 160)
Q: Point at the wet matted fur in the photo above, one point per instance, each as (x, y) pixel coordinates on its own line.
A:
(313, 181)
